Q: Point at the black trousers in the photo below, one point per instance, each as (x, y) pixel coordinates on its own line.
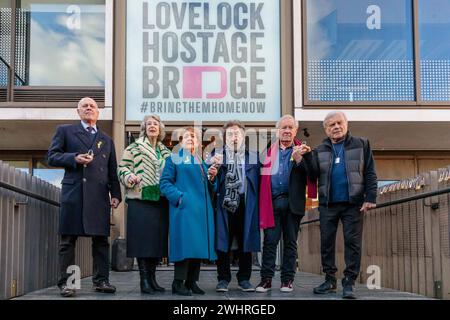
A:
(236, 222)
(188, 270)
(100, 254)
(352, 224)
(288, 224)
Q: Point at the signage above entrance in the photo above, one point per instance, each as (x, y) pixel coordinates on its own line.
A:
(201, 60)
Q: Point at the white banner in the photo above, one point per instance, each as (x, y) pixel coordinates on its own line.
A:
(205, 60)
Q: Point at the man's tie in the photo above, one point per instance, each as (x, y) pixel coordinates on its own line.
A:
(91, 134)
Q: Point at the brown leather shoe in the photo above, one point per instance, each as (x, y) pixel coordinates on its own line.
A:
(66, 292)
(104, 287)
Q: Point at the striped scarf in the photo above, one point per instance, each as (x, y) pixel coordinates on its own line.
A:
(233, 179)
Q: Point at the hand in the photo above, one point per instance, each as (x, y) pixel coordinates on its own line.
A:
(84, 159)
(115, 203)
(133, 179)
(304, 149)
(297, 154)
(217, 159)
(367, 206)
(212, 172)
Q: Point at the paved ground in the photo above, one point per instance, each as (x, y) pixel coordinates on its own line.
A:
(127, 284)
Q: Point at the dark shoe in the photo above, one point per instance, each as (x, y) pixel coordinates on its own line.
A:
(264, 286)
(66, 292)
(347, 288)
(104, 287)
(179, 288)
(144, 277)
(329, 286)
(287, 286)
(246, 286)
(146, 287)
(192, 285)
(348, 293)
(222, 286)
(154, 284)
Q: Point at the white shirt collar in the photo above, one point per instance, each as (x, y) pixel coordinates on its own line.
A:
(85, 126)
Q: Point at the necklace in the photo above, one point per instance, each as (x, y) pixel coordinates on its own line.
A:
(337, 158)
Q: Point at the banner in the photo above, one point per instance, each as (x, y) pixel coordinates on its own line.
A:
(203, 60)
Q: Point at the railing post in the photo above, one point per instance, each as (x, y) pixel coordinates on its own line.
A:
(435, 237)
(29, 215)
(444, 224)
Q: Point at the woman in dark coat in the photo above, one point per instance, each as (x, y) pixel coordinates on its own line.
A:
(147, 215)
(186, 182)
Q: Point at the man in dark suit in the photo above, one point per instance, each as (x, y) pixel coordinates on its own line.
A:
(89, 189)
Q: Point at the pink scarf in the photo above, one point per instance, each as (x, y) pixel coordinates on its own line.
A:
(266, 219)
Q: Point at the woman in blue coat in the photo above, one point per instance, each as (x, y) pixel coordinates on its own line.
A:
(186, 184)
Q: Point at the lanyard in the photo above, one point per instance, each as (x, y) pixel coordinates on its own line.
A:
(337, 158)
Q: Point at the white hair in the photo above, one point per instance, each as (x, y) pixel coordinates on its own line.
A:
(333, 114)
(287, 117)
(86, 98)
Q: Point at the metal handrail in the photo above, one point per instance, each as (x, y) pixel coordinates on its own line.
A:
(399, 201)
(28, 194)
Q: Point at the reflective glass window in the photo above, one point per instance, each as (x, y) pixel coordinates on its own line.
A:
(434, 28)
(22, 165)
(52, 175)
(5, 47)
(360, 50)
(60, 43)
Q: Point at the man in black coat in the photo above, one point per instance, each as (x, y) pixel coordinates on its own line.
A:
(90, 188)
(345, 168)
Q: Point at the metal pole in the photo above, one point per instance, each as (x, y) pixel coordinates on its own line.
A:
(7, 186)
(399, 201)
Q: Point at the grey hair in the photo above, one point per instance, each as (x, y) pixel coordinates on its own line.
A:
(232, 123)
(285, 117)
(332, 114)
(86, 98)
(162, 127)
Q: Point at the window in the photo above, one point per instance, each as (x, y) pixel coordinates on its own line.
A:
(359, 50)
(36, 165)
(434, 26)
(60, 43)
(52, 51)
(22, 165)
(5, 47)
(52, 175)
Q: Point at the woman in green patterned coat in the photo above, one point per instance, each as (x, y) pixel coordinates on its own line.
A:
(147, 215)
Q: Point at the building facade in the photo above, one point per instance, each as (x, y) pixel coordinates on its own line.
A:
(386, 63)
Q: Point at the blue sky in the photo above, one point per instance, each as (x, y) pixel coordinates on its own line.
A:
(61, 55)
